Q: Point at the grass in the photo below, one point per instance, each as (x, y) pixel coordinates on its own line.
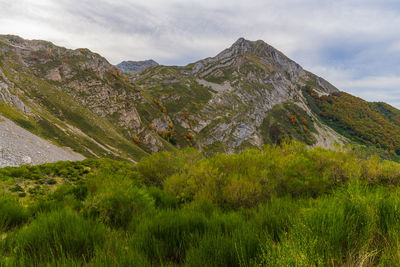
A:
(12, 213)
(59, 234)
(283, 206)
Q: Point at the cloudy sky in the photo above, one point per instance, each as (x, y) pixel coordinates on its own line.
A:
(354, 44)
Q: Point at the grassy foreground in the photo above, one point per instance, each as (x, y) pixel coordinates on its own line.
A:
(283, 206)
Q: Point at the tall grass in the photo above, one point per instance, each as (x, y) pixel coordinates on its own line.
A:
(12, 214)
(168, 235)
(59, 234)
(215, 248)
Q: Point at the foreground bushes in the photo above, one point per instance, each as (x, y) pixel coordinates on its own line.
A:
(58, 234)
(354, 225)
(282, 206)
(168, 235)
(252, 177)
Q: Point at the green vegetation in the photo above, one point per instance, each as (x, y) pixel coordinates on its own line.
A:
(365, 122)
(283, 206)
(288, 121)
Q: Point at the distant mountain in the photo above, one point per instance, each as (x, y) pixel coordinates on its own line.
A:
(136, 65)
(248, 95)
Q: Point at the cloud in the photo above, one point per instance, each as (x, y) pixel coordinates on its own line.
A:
(354, 44)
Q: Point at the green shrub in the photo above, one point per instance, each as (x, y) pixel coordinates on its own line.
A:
(158, 166)
(58, 234)
(334, 230)
(12, 214)
(117, 200)
(16, 188)
(123, 258)
(275, 217)
(61, 198)
(167, 236)
(252, 177)
(162, 199)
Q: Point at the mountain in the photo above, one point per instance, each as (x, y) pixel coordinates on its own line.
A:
(135, 66)
(245, 96)
(248, 95)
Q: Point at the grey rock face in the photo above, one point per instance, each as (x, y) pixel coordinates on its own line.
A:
(7, 98)
(136, 66)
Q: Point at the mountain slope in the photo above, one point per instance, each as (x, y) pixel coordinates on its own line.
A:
(371, 123)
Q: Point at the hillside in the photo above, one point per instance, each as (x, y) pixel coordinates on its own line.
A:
(248, 95)
(371, 123)
(285, 205)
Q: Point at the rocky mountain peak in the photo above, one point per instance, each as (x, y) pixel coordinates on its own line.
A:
(244, 53)
(258, 48)
(241, 45)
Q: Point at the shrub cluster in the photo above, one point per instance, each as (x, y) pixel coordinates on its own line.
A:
(254, 176)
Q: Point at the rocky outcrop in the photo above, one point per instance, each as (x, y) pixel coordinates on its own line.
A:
(259, 77)
(10, 99)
